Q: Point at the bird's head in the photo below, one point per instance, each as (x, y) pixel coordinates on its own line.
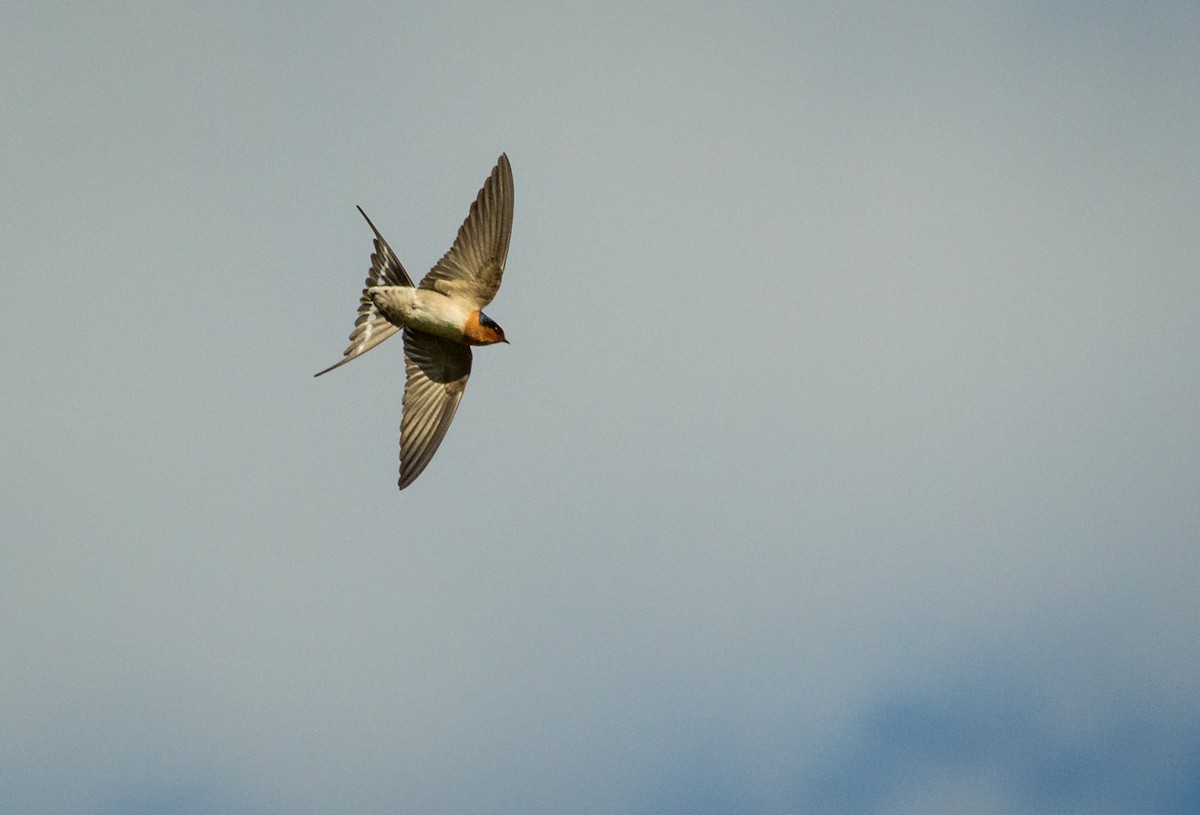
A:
(483, 330)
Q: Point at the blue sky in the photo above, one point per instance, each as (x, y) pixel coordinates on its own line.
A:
(843, 460)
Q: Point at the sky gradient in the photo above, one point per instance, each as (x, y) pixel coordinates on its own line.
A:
(845, 457)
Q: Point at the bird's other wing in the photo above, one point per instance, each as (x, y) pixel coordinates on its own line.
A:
(437, 372)
(472, 269)
(371, 327)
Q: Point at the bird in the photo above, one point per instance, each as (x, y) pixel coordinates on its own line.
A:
(441, 318)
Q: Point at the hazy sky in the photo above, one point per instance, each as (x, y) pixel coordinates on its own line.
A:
(845, 458)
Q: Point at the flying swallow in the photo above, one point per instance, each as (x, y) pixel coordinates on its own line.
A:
(441, 318)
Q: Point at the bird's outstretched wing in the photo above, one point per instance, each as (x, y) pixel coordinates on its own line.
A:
(437, 372)
(371, 327)
(472, 269)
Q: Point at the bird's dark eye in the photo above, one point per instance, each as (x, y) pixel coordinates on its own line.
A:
(488, 321)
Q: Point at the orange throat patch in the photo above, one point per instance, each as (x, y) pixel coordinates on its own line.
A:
(476, 333)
